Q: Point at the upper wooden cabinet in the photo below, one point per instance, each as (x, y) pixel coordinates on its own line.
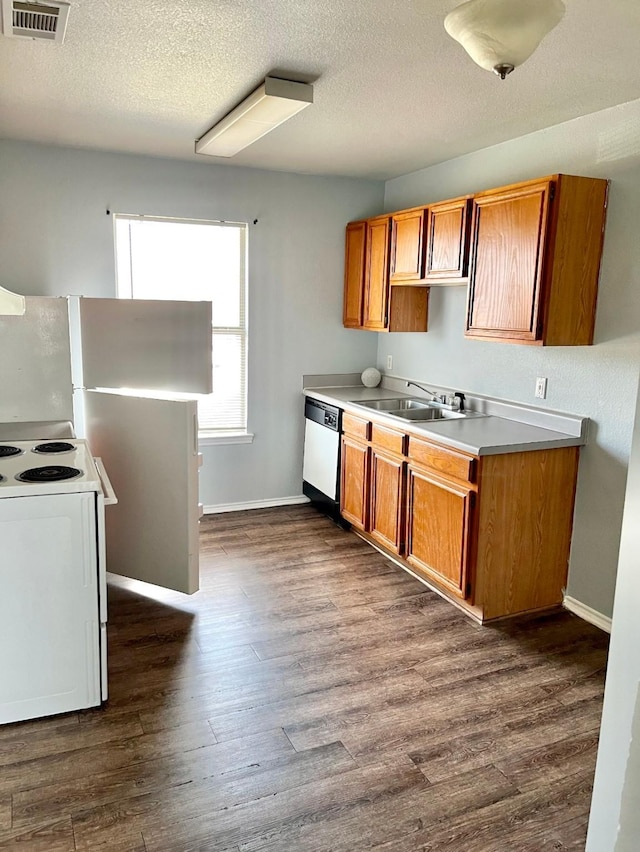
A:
(431, 245)
(448, 229)
(354, 274)
(530, 253)
(369, 301)
(376, 274)
(535, 261)
(407, 245)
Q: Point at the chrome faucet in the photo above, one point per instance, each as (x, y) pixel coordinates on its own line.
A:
(455, 401)
(438, 397)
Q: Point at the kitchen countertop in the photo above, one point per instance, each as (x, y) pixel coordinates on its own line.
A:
(490, 434)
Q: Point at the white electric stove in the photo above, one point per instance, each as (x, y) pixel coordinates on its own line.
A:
(53, 608)
(29, 468)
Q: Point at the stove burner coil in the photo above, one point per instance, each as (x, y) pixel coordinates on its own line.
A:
(54, 447)
(51, 473)
(6, 451)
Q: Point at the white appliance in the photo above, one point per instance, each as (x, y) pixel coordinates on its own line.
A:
(321, 459)
(53, 608)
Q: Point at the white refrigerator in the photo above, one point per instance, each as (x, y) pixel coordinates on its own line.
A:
(126, 373)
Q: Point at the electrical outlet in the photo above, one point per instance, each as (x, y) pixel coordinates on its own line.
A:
(541, 387)
(389, 362)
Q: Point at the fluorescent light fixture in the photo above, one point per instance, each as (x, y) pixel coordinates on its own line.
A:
(271, 104)
(11, 304)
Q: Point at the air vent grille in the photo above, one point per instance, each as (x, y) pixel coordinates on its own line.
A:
(46, 21)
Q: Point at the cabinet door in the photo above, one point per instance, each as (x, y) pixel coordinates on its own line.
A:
(387, 500)
(49, 642)
(152, 532)
(508, 241)
(448, 241)
(354, 482)
(438, 530)
(376, 279)
(354, 261)
(407, 245)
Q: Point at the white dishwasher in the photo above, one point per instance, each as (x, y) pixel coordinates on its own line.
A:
(321, 465)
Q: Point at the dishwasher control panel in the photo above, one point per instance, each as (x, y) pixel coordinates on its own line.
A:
(323, 413)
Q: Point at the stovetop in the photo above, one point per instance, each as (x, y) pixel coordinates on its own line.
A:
(46, 467)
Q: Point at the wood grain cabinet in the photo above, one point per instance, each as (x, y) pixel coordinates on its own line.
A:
(440, 501)
(408, 245)
(370, 303)
(491, 533)
(354, 482)
(439, 529)
(354, 258)
(387, 488)
(535, 261)
(448, 233)
(431, 245)
(530, 253)
(366, 274)
(376, 275)
(354, 471)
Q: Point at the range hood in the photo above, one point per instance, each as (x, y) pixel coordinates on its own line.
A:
(11, 303)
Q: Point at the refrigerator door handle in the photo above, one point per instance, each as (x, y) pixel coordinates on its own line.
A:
(109, 494)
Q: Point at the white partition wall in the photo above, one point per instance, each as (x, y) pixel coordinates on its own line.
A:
(35, 363)
(150, 449)
(146, 344)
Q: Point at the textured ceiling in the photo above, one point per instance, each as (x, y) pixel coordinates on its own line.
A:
(392, 91)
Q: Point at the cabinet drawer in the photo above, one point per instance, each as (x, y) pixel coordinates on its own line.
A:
(356, 426)
(447, 462)
(388, 439)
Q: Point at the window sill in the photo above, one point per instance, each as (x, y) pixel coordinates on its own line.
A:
(211, 439)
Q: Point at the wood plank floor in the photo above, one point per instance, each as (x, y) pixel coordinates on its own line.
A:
(313, 697)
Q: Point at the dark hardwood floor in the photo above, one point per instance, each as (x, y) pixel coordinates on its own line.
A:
(313, 697)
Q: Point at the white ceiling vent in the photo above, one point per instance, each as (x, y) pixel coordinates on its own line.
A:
(46, 20)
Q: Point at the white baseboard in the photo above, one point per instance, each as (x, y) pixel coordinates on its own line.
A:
(255, 504)
(585, 612)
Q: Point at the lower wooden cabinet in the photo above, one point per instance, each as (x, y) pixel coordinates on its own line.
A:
(386, 500)
(354, 482)
(492, 533)
(439, 529)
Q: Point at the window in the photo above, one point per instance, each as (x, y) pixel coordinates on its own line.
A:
(201, 261)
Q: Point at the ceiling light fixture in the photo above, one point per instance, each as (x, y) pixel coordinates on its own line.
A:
(270, 105)
(499, 35)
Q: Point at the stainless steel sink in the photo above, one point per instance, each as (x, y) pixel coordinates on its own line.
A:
(428, 413)
(418, 410)
(395, 405)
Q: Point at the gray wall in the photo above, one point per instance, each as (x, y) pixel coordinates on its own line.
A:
(56, 239)
(615, 819)
(598, 381)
